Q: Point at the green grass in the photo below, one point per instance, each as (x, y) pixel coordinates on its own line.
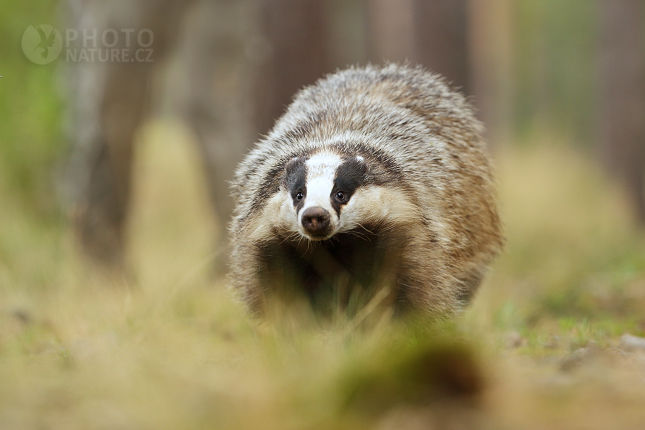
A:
(31, 110)
(170, 349)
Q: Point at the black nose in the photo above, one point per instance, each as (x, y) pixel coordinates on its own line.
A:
(315, 220)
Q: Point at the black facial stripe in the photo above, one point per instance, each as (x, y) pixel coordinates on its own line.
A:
(296, 180)
(383, 168)
(350, 175)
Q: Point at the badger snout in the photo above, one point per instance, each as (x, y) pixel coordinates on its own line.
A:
(315, 221)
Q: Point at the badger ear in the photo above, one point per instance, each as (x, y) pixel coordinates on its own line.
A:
(360, 162)
(358, 165)
(292, 164)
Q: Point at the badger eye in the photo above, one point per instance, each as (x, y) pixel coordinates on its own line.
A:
(299, 196)
(340, 195)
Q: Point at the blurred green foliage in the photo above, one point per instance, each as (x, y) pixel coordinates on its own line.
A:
(30, 110)
(555, 67)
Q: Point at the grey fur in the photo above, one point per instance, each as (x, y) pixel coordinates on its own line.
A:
(418, 137)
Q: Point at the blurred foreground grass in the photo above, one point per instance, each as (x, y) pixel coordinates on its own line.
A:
(539, 347)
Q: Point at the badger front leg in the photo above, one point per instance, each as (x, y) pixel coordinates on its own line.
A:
(423, 283)
(245, 276)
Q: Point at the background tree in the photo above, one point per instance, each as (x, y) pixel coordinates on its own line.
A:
(295, 38)
(622, 94)
(431, 33)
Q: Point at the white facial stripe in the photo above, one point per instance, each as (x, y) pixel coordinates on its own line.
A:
(318, 191)
(322, 164)
(321, 170)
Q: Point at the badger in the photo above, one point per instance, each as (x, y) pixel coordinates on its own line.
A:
(374, 179)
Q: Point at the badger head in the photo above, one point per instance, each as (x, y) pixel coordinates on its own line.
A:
(321, 194)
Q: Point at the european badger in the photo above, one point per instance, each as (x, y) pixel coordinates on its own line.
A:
(375, 179)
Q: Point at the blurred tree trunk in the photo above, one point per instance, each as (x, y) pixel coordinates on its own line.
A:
(112, 98)
(490, 28)
(110, 101)
(295, 41)
(391, 32)
(622, 94)
(441, 33)
(430, 33)
(467, 41)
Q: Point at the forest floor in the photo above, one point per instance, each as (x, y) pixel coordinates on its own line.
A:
(553, 340)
